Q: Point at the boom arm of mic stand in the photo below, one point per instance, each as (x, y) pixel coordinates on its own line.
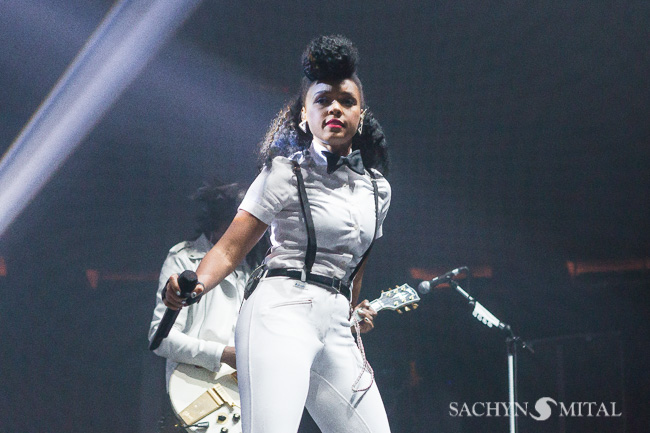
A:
(487, 318)
(480, 312)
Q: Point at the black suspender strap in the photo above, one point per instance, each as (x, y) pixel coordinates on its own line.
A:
(310, 256)
(365, 255)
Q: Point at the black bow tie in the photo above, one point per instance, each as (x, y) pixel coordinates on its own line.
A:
(353, 161)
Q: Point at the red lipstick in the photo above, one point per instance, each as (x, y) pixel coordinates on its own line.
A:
(335, 123)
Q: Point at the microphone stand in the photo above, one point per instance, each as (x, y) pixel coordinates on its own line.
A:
(483, 315)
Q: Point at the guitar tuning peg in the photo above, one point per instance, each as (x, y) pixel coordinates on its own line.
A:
(415, 306)
(399, 311)
(407, 309)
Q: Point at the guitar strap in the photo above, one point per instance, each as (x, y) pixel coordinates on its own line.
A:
(310, 255)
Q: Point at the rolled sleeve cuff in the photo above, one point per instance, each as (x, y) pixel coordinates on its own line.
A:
(213, 351)
(257, 210)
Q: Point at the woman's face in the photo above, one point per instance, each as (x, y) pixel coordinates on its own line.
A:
(333, 111)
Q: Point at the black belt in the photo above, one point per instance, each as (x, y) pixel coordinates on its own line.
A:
(321, 280)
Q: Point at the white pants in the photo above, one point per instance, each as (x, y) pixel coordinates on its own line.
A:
(295, 349)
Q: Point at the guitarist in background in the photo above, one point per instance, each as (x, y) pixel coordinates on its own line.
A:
(203, 333)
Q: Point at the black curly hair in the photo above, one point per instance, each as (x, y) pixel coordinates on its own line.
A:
(218, 202)
(327, 58)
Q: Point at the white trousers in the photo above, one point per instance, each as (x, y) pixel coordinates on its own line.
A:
(295, 349)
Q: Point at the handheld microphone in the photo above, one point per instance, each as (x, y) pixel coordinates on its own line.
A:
(187, 282)
(425, 286)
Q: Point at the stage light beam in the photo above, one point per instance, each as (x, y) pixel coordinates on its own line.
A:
(127, 38)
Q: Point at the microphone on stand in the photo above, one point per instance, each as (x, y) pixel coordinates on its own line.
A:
(187, 281)
(425, 286)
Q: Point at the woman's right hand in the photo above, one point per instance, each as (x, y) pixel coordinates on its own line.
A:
(172, 295)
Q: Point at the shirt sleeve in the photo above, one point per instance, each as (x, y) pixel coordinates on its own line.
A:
(271, 191)
(178, 346)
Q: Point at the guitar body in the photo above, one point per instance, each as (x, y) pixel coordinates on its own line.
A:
(213, 390)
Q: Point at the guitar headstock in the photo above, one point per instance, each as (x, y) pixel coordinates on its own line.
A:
(403, 297)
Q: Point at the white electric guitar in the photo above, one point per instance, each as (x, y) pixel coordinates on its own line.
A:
(208, 402)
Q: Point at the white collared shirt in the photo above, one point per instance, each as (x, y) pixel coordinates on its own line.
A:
(342, 206)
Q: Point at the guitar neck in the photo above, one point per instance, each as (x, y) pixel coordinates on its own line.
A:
(377, 305)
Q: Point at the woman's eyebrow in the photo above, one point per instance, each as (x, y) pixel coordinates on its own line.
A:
(343, 94)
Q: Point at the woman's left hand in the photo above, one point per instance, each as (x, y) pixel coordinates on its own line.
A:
(366, 315)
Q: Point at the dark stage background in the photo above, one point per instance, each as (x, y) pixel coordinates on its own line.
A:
(520, 147)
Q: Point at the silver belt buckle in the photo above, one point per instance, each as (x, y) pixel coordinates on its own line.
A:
(336, 287)
(303, 279)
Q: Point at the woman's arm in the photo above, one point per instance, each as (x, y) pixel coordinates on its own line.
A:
(356, 283)
(242, 235)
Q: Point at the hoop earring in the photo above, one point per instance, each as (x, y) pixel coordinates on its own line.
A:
(360, 127)
(303, 125)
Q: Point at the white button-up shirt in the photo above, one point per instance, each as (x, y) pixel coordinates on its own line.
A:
(342, 206)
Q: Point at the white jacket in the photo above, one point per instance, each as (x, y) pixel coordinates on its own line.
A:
(202, 330)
